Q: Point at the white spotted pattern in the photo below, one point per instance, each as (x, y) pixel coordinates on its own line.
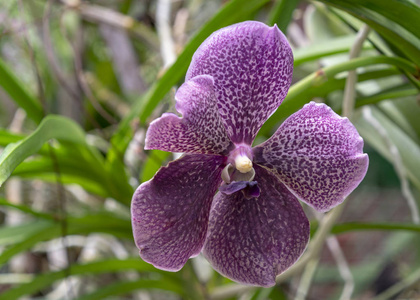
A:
(170, 212)
(252, 66)
(199, 131)
(253, 240)
(317, 154)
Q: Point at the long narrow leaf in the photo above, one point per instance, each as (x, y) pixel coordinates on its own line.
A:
(347, 227)
(19, 94)
(92, 223)
(52, 127)
(303, 91)
(386, 18)
(125, 287)
(408, 149)
(98, 267)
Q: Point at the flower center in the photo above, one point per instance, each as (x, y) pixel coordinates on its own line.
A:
(238, 175)
(243, 164)
(241, 158)
(239, 166)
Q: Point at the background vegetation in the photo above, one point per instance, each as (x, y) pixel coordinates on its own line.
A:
(81, 80)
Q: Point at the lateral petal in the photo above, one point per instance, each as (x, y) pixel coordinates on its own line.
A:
(200, 130)
(317, 154)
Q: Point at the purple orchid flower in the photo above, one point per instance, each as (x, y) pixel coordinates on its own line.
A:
(254, 228)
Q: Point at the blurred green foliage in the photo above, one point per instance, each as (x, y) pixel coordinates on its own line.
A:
(81, 80)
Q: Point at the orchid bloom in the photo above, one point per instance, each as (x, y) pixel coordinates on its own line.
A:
(254, 228)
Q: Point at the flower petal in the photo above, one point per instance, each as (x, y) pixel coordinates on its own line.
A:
(252, 66)
(170, 212)
(199, 131)
(253, 240)
(317, 154)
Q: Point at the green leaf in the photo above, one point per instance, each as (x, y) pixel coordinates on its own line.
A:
(409, 108)
(48, 231)
(6, 137)
(52, 127)
(404, 113)
(19, 94)
(16, 234)
(129, 286)
(73, 170)
(100, 222)
(401, 91)
(153, 163)
(408, 149)
(25, 209)
(78, 164)
(346, 227)
(325, 48)
(392, 10)
(385, 18)
(303, 91)
(104, 266)
(282, 13)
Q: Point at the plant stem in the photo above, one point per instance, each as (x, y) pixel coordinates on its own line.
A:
(397, 162)
(350, 89)
(305, 281)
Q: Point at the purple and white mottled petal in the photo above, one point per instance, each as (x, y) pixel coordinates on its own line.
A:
(253, 240)
(170, 212)
(200, 130)
(252, 66)
(317, 154)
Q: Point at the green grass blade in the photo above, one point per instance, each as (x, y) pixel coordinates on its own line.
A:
(19, 94)
(385, 18)
(98, 267)
(153, 163)
(282, 13)
(408, 149)
(52, 127)
(392, 10)
(100, 222)
(130, 286)
(26, 209)
(303, 91)
(15, 234)
(393, 93)
(325, 48)
(347, 227)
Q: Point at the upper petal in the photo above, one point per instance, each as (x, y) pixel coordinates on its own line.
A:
(317, 154)
(199, 131)
(253, 240)
(252, 66)
(170, 212)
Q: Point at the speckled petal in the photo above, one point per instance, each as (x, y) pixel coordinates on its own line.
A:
(200, 130)
(252, 66)
(253, 240)
(317, 154)
(170, 212)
